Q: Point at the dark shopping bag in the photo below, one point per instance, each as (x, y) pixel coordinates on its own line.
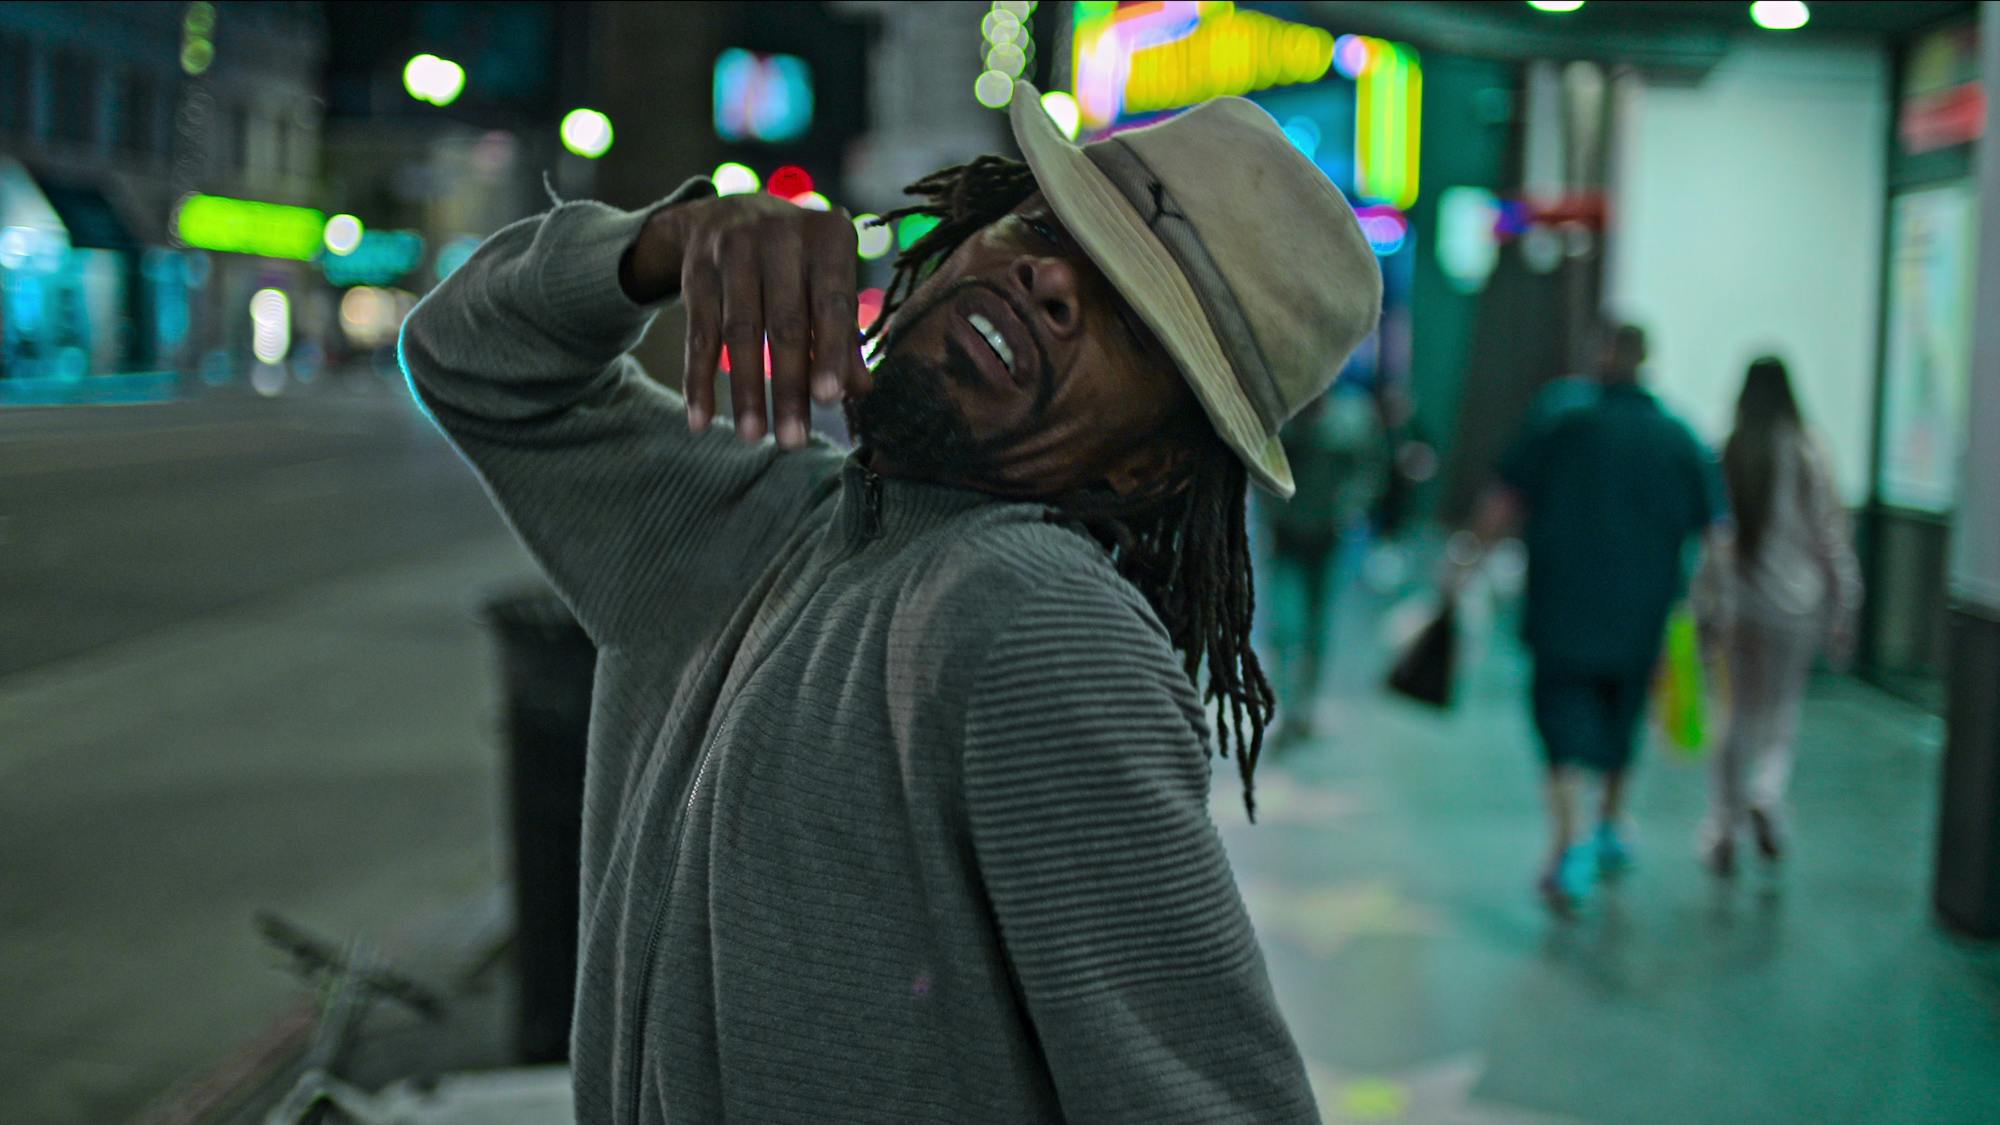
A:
(1424, 671)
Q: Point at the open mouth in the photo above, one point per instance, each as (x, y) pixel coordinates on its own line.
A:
(993, 340)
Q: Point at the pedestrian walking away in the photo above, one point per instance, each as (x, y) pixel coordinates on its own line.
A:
(1607, 488)
(896, 803)
(1787, 582)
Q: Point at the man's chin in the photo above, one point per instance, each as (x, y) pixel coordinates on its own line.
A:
(911, 422)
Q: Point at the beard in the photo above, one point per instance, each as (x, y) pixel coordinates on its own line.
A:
(910, 418)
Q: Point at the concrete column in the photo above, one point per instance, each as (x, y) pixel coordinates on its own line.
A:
(1967, 886)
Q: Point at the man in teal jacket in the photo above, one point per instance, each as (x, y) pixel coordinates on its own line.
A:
(1610, 490)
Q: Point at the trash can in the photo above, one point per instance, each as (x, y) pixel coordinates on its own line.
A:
(546, 667)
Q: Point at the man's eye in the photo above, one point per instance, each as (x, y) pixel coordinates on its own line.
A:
(1044, 230)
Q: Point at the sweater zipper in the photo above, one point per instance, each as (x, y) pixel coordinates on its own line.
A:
(871, 505)
(638, 1053)
(871, 528)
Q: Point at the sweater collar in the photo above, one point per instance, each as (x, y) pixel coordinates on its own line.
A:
(873, 506)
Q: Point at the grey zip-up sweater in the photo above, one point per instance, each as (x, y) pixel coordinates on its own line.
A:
(896, 802)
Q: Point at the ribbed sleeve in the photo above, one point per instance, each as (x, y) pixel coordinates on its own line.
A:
(520, 357)
(1086, 787)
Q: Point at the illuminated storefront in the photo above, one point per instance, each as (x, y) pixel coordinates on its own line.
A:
(68, 269)
(1928, 313)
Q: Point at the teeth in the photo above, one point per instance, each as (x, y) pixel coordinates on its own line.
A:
(993, 339)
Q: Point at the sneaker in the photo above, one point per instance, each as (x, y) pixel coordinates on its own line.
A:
(1764, 829)
(1614, 852)
(1566, 884)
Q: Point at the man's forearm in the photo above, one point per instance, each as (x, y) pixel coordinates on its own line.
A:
(533, 320)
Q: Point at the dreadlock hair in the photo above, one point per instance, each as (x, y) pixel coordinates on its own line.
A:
(1183, 543)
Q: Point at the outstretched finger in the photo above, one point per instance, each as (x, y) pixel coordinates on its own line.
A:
(701, 296)
(830, 279)
(789, 332)
(743, 334)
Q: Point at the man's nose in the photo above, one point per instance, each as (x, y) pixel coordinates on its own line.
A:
(1049, 286)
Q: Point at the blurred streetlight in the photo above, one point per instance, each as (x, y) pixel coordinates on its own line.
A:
(271, 325)
(1555, 5)
(343, 234)
(586, 132)
(197, 42)
(1779, 15)
(431, 79)
(735, 179)
(1061, 107)
(872, 239)
(993, 89)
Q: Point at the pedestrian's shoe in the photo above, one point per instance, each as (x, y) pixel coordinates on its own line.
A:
(1614, 851)
(1764, 829)
(1565, 884)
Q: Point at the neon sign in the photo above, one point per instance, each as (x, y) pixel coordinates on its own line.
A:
(1154, 56)
(762, 97)
(244, 226)
(1388, 118)
(381, 257)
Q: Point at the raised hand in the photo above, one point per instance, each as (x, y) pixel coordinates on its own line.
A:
(751, 268)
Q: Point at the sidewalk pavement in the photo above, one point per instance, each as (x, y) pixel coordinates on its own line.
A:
(1389, 878)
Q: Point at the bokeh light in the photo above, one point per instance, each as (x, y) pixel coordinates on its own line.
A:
(197, 44)
(369, 316)
(913, 227)
(1304, 134)
(868, 306)
(270, 325)
(872, 238)
(1008, 59)
(813, 201)
(1351, 55)
(761, 97)
(1061, 107)
(788, 181)
(993, 89)
(1000, 26)
(454, 254)
(1555, 5)
(735, 179)
(586, 132)
(1384, 227)
(1779, 15)
(429, 78)
(343, 234)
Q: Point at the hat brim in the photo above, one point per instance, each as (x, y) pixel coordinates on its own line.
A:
(1144, 272)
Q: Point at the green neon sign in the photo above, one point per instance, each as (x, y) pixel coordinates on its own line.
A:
(245, 226)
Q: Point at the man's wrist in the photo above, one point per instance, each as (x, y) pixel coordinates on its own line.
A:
(649, 271)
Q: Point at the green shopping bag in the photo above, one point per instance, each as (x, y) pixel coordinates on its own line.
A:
(1680, 692)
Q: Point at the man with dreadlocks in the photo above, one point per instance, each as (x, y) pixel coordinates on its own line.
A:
(896, 802)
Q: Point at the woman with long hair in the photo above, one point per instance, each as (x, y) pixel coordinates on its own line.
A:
(1789, 580)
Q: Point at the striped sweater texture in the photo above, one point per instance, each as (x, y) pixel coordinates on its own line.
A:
(896, 801)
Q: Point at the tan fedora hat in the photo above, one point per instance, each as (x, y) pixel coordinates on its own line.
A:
(1234, 248)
